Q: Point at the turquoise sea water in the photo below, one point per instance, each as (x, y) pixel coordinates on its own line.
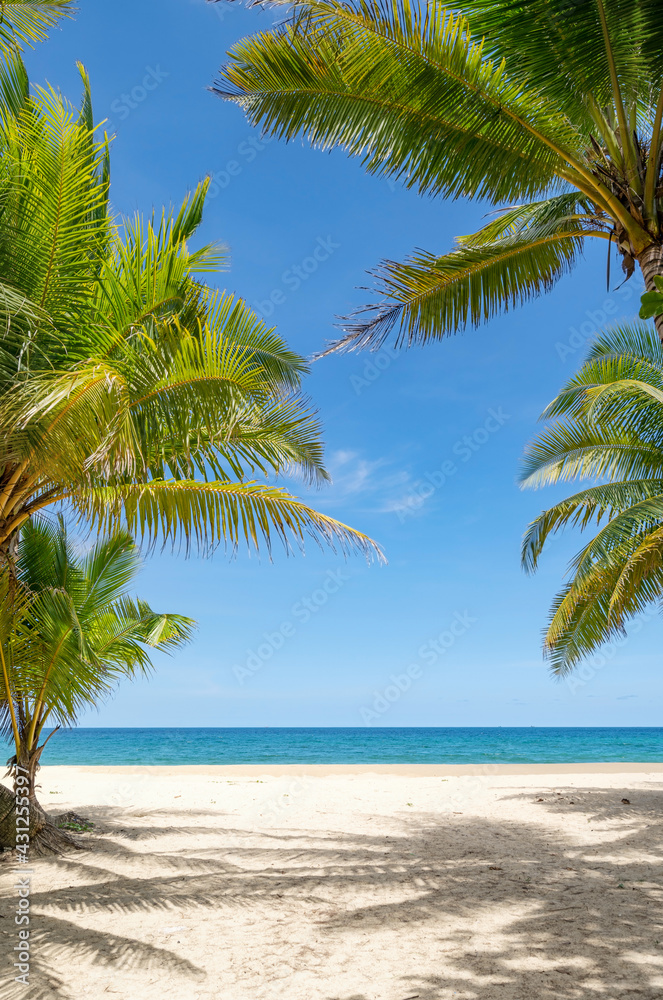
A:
(353, 746)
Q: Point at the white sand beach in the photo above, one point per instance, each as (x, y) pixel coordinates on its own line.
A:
(351, 883)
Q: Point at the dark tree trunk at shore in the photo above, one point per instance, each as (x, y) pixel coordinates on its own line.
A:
(44, 836)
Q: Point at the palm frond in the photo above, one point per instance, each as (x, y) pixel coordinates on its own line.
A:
(128, 388)
(406, 88)
(493, 99)
(209, 514)
(582, 450)
(428, 297)
(69, 629)
(607, 424)
(589, 506)
(538, 35)
(25, 22)
(14, 86)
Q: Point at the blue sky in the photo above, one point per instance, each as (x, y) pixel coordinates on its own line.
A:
(423, 446)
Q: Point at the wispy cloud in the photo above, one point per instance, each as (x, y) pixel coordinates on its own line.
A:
(355, 477)
(384, 485)
(352, 474)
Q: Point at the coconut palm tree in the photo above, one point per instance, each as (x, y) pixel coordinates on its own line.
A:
(607, 428)
(69, 631)
(129, 390)
(550, 109)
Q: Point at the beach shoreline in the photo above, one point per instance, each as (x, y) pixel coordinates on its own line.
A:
(326, 770)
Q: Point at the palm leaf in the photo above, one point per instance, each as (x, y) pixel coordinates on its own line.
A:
(589, 506)
(511, 102)
(135, 391)
(71, 630)
(25, 22)
(535, 36)
(408, 90)
(522, 252)
(207, 514)
(607, 424)
(428, 297)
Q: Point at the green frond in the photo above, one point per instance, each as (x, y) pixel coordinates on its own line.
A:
(128, 388)
(130, 623)
(582, 450)
(640, 576)
(630, 343)
(428, 297)
(582, 509)
(47, 558)
(86, 116)
(494, 99)
(616, 539)
(190, 214)
(563, 213)
(626, 355)
(234, 321)
(70, 630)
(25, 22)
(408, 89)
(586, 616)
(208, 514)
(14, 86)
(537, 35)
(109, 569)
(579, 626)
(51, 192)
(594, 383)
(282, 437)
(607, 424)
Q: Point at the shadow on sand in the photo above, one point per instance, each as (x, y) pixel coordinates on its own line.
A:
(585, 924)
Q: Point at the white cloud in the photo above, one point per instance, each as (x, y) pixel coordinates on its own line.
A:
(390, 490)
(353, 475)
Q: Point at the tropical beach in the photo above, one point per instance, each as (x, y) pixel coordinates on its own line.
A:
(331, 499)
(381, 884)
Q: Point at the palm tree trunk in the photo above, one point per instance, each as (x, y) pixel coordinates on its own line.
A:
(43, 836)
(9, 558)
(651, 263)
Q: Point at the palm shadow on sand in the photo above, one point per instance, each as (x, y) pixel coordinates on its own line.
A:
(582, 936)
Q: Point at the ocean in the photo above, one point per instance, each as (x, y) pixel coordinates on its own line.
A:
(354, 746)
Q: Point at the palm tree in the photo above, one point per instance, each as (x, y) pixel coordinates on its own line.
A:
(129, 390)
(607, 427)
(25, 22)
(554, 107)
(69, 631)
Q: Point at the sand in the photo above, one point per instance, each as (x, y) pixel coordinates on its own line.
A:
(339, 883)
